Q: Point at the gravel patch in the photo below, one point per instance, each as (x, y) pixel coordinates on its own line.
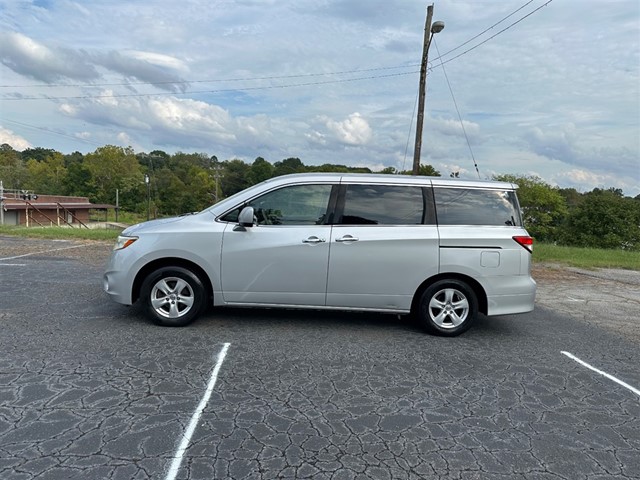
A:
(607, 298)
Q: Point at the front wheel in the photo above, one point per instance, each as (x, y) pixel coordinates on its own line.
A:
(173, 296)
(448, 308)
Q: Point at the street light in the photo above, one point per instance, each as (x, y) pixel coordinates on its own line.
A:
(429, 32)
(437, 27)
(147, 180)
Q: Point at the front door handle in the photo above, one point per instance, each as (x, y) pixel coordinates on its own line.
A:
(347, 238)
(313, 239)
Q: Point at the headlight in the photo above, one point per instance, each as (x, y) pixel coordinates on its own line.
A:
(124, 242)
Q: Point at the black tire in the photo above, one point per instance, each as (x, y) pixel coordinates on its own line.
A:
(173, 296)
(448, 308)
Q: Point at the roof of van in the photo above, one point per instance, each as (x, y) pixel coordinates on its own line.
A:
(387, 178)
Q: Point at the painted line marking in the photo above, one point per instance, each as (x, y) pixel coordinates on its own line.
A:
(13, 264)
(44, 251)
(605, 374)
(195, 418)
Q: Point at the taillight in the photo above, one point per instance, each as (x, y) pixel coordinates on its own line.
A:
(524, 242)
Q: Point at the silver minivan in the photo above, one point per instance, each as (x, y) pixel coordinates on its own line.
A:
(441, 249)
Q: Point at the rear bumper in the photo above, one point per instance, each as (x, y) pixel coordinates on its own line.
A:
(519, 295)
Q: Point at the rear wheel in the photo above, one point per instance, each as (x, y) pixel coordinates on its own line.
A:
(173, 296)
(448, 308)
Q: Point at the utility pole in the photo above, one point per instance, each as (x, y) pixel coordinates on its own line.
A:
(428, 35)
(1, 203)
(217, 176)
(147, 180)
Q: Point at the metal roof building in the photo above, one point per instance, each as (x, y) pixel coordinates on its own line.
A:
(21, 208)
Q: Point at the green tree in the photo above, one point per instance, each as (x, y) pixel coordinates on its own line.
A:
(424, 170)
(261, 170)
(78, 179)
(153, 160)
(235, 177)
(183, 165)
(428, 171)
(40, 154)
(543, 206)
(112, 168)
(47, 176)
(336, 168)
(75, 157)
(572, 197)
(201, 188)
(287, 166)
(172, 192)
(604, 219)
(13, 171)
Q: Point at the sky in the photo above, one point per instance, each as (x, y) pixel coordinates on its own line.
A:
(555, 93)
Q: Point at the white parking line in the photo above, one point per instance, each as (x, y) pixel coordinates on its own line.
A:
(44, 251)
(605, 374)
(186, 438)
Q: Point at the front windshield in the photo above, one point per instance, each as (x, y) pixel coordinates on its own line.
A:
(232, 199)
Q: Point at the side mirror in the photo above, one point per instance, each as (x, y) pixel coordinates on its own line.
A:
(245, 219)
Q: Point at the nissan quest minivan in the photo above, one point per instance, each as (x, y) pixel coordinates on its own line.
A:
(441, 249)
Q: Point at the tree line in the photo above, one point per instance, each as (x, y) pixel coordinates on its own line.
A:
(187, 182)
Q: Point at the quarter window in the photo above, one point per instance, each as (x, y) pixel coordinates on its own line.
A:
(462, 206)
(382, 205)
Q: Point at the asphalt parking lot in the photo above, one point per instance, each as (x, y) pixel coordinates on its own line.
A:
(91, 389)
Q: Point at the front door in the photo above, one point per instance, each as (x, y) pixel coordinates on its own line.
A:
(283, 258)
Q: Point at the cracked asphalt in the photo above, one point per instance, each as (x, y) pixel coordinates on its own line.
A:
(91, 390)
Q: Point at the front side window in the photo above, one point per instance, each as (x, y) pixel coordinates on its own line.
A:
(382, 205)
(293, 205)
(465, 206)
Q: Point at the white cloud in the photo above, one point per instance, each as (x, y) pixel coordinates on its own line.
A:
(455, 128)
(316, 137)
(68, 109)
(584, 180)
(158, 59)
(10, 138)
(448, 168)
(124, 138)
(577, 176)
(28, 57)
(354, 130)
(35, 60)
(568, 145)
(175, 121)
(145, 67)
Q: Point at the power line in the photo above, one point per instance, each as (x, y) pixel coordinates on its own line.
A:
(221, 90)
(495, 35)
(406, 148)
(274, 77)
(484, 31)
(219, 80)
(464, 130)
(47, 130)
(278, 77)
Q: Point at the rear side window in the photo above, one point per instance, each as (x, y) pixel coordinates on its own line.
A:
(465, 206)
(382, 205)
